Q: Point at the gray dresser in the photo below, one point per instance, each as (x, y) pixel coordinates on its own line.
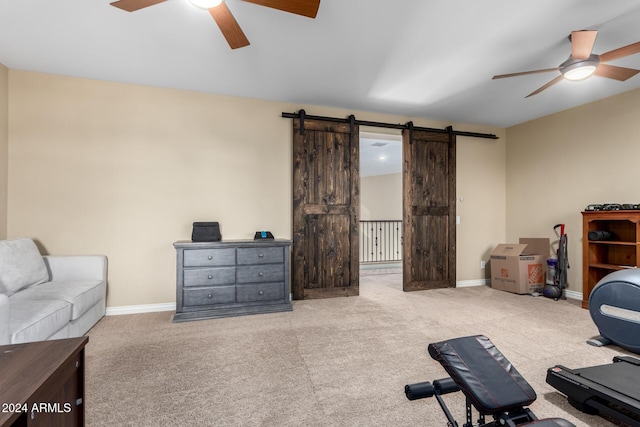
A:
(231, 278)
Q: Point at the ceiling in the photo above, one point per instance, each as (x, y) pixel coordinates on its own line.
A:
(380, 154)
(418, 58)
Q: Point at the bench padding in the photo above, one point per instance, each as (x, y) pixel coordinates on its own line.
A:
(483, 374)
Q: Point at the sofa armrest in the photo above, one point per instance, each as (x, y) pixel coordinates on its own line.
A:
(5, 334)
(77, 267)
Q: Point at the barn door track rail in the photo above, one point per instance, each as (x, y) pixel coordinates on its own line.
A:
(302, 115)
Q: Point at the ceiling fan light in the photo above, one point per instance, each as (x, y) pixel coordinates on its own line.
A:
(580, 73)
(205, 4)
(579, 69)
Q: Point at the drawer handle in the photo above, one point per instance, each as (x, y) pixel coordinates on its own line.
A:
(209, 257)
(260, 255)
(209, 296)
(260, 292)
(210, 276)
(261, 274)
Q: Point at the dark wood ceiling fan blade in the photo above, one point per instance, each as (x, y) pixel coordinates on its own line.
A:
(308, 8)
(524, 73)
(547, 86)
(621, 52)
(229, 26)
(582, 43)
(615, 72)
(133, 5)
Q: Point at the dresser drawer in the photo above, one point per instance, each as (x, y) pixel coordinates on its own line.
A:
(265, 255)
(209, 257)
(261, 273)
(209, 276)
(260, 292)
(210, 296)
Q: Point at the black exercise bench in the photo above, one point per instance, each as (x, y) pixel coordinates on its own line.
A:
(488, 380)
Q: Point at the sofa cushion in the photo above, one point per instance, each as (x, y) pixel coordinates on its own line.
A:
(81, 294)
(31, 320)
(22, 265)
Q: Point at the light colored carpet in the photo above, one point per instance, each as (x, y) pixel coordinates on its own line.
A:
(332, 362)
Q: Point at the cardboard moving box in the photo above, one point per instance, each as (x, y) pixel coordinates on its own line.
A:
(520, 268)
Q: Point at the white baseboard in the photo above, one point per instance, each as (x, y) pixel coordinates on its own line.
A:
(145, 308)
(475, 282)
(573, 294)
(171, 306)
(481, 282)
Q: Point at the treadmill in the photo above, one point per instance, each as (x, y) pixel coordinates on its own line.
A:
(612, 389)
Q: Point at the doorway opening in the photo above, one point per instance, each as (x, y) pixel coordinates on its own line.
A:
(380, 226)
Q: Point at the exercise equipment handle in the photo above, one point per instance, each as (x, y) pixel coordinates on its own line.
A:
(446, 385)
(419, 390)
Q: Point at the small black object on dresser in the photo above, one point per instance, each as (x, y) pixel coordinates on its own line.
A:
(231, 278)
(206, 232)
(261, 235)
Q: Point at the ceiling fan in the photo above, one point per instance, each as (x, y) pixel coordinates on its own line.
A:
(223, 17)
(581, 64)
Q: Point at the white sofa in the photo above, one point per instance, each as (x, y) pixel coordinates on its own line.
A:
(48, 297)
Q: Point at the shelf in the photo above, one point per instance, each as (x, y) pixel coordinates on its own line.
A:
(611, 266)
(602, 257)
(612, 242)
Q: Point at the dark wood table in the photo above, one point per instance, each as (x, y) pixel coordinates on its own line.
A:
(42, 383)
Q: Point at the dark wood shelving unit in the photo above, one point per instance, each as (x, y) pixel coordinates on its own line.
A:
(601, 257)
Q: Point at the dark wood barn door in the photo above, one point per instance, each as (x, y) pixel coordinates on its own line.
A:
(429, 174)
(325, 209)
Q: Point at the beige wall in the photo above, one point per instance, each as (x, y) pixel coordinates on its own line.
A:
(4, 146)
(481, 204)
(559, 164)
(123, 170)
(381, 197)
